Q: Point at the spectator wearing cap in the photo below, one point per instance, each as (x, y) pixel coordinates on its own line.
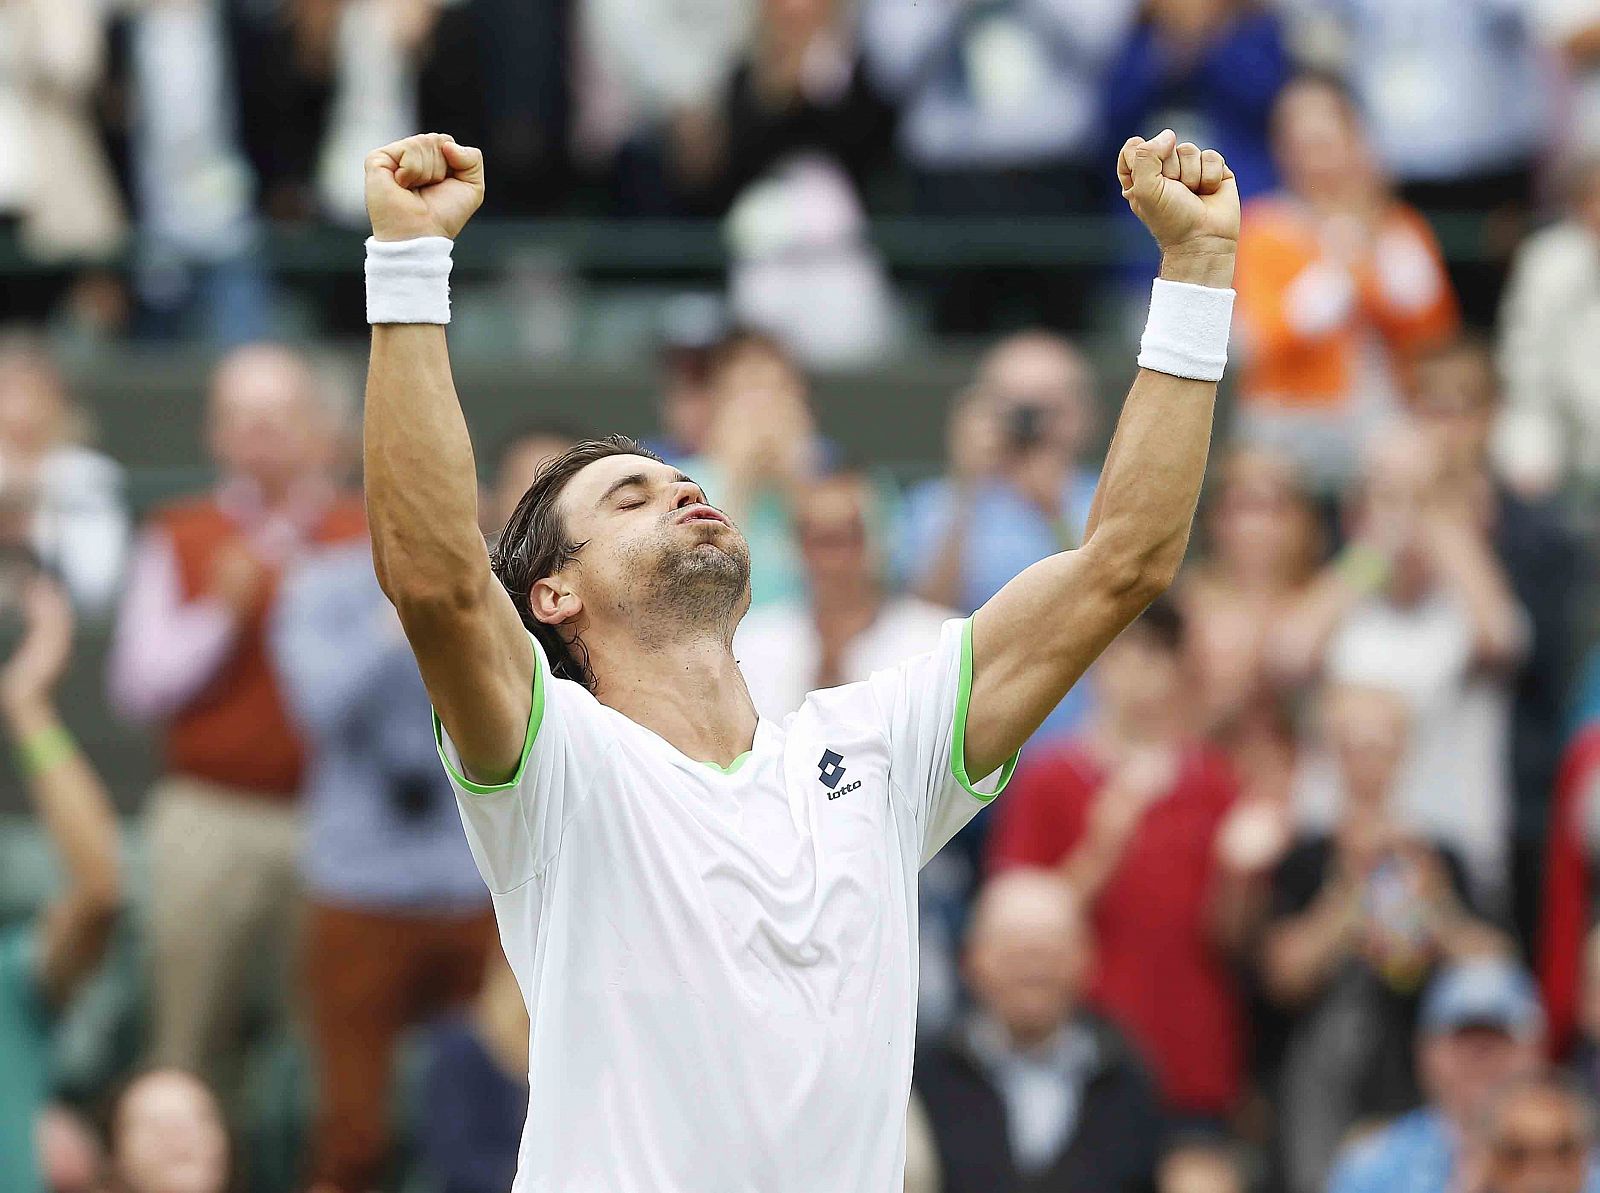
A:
(1481, 1026)
(1537, 1136)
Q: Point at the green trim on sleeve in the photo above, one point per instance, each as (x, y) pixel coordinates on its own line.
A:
(535, 718)
(958, 732)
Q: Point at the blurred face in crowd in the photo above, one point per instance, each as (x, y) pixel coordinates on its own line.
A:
(1585, 193)
(1454, 401)
(1139, 680)
(1261, 526)
(33, 402)
(1041, 390)
(1400, 473)
(268, 421)
(1027, 953)
(762, 408)
(1317, 141)
(1368, 731)
(1199, 1169)
(69, 1155)
(688, 404)
(519, 462)
(795, 21)
(832, 531)
(1462, 1068)
(168, 1137)
(1538, 1139)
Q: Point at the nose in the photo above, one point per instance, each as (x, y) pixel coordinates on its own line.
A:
(689, 493)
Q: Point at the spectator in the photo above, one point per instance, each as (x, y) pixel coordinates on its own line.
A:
(848, 627)
(1262, 545)
(521, 454)
(1201, 1166)
(1360, 916)
(1339, 283)
(1585, 1055)
(1455, 399)
(71, 1159)
(763, 451)
(999, 117)
(922, 1157)
(1130, 813)
(691, 326)
(167, 1135)
(800, 87)
(1480, 1028)
(56, 187)
(1017, 489)
(1455, 95)
(1035, 1092)
(44, 962)
(1569, 30)
(1211, 64)
(1419, 604)
(190, 653)
(475, 1089)
(1537, 1137)
(1548, 435)
(69, 495)
(1569, 892)
(398, 927)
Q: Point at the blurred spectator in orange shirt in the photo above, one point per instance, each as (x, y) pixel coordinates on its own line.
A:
(1338, 284)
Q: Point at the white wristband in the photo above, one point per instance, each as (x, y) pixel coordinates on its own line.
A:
(1187, 332)
(408, 281)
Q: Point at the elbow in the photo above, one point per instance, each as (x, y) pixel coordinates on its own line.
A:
(1133, 577)
(423, 601)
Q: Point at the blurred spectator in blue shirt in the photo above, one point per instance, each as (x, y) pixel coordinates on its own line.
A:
(1481, 1026)
(399, 925)
(1209, 69)
(475, 1090)
(1017, 490)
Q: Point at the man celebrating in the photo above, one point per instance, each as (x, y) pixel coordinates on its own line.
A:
(712, 916)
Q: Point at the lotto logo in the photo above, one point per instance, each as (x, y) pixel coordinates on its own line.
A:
(830, 769)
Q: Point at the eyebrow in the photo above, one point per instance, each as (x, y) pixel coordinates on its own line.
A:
(632, 480)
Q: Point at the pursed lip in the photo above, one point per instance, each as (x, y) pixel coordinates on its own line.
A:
(702, 513)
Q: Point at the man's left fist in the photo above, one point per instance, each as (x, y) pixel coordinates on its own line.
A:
(1186, 196)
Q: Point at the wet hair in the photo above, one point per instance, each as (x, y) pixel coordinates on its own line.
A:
(535, 544)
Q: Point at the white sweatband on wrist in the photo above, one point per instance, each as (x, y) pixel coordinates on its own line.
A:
(408, 281)
(1187, 332)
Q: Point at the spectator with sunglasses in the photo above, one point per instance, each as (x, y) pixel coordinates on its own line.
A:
(1538, 1136)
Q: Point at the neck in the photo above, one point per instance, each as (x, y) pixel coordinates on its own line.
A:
(687, 691)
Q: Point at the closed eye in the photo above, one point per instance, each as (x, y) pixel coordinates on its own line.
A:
(632, 504)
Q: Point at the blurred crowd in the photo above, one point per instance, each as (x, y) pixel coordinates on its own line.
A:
(1294, 893)
(146, 145)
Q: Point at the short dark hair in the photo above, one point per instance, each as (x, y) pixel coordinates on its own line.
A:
(535, 544)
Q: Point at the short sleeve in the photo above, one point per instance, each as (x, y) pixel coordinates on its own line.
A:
(515, 827)
(923, 704)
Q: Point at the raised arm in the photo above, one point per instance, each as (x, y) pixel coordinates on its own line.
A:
(1038, 635)
(421, 479)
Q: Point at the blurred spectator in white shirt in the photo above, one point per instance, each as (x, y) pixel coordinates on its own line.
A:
(1000, 116)
(1457, 99)
(848, 626)
(1549, 432)
(70, 495)
(1418, 604)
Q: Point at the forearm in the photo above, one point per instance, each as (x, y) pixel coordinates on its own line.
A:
(1499, 624)
(420, 474)
(1089, 867)
(1301, 954)
(71, 801)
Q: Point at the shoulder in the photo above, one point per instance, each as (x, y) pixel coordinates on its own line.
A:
(1376, 1159)
(1273, 218)
(73, 465)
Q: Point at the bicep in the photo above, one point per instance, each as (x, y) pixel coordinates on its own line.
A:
(477, 663)
(1033, 641)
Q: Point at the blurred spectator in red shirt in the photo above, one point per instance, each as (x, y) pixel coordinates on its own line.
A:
(191, 653)
(1338, 284)
(1569, 893)
(1130, 812)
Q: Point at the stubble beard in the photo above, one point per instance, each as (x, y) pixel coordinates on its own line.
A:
(696, 589)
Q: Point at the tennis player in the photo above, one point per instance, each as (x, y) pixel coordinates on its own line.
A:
(713, 917)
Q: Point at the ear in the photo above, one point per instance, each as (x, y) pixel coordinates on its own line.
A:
(553, 602)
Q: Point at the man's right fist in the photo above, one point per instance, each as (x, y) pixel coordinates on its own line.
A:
(425, 185)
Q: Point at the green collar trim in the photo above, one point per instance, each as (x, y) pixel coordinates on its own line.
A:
(732, 767)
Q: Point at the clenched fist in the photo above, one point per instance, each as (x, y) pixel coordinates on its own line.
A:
(425, 185)
(1187, 197)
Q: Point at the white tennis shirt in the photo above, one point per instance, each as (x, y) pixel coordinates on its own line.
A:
(721, 966)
